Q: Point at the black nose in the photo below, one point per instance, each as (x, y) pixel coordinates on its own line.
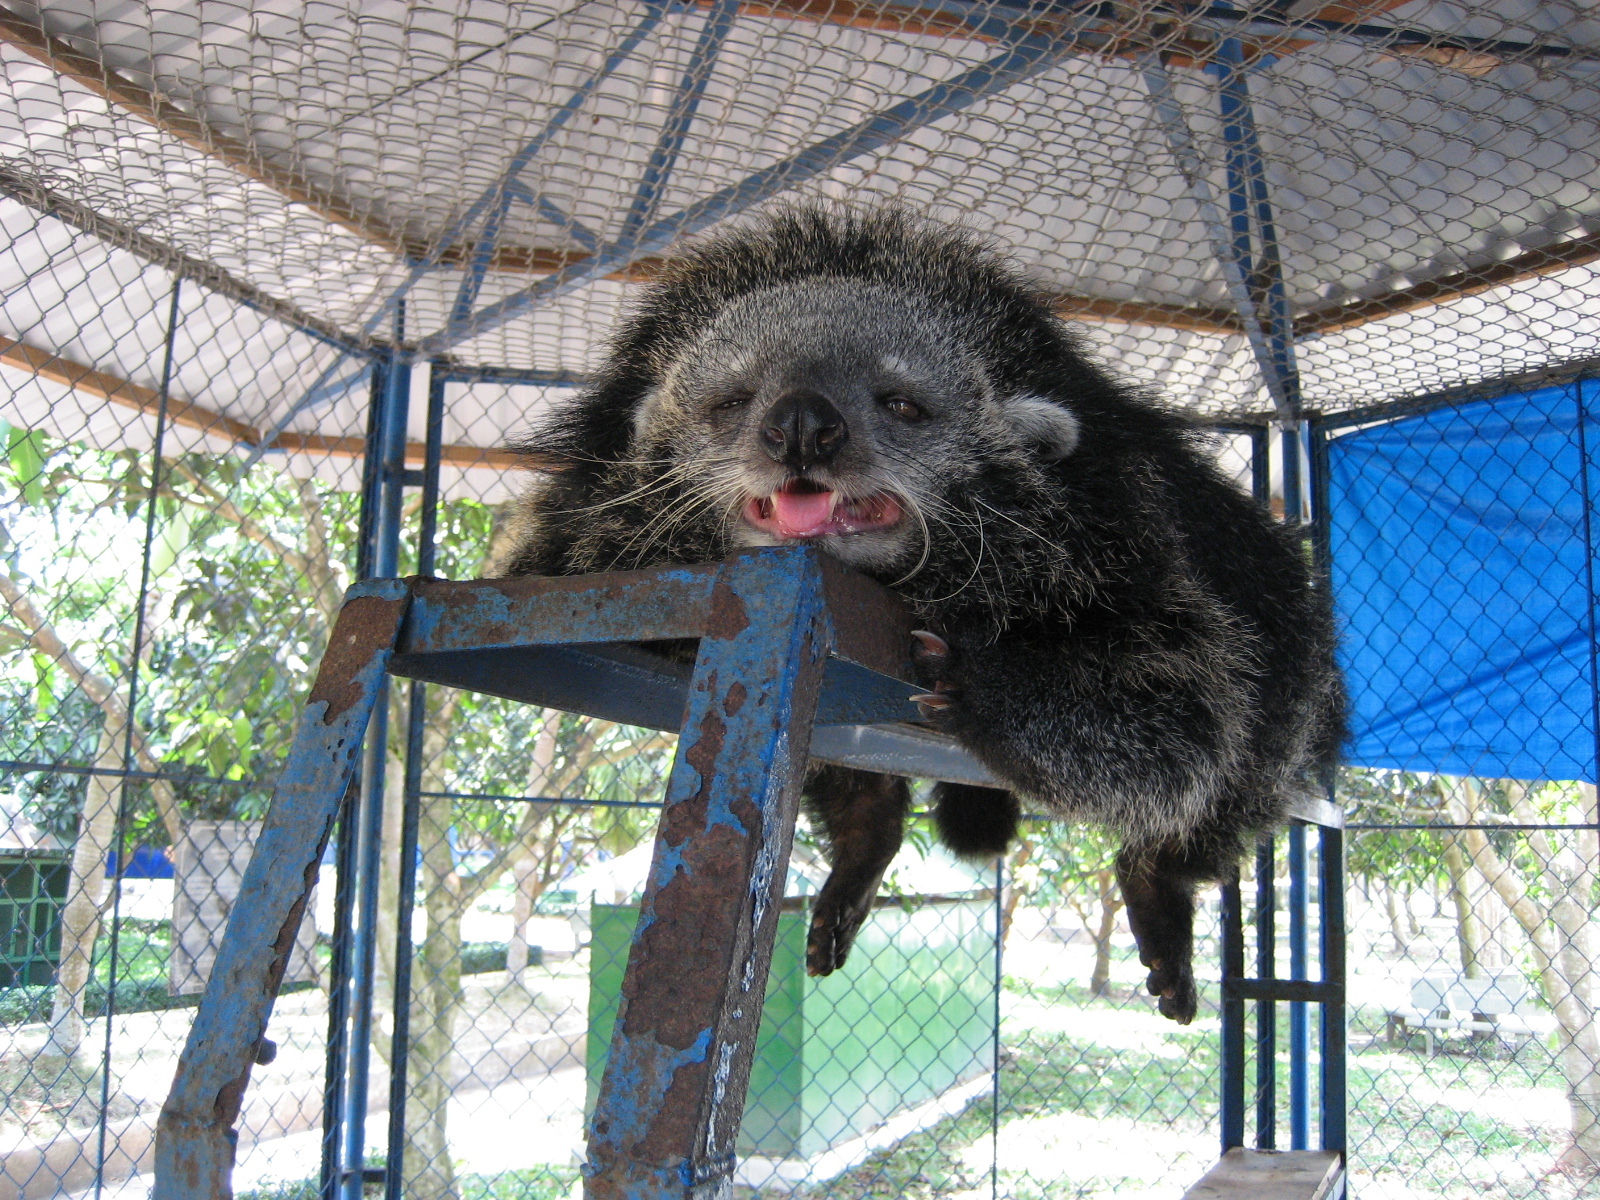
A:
(803, 429)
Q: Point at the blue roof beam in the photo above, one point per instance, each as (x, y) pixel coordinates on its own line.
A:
(692, 88)
(1023, 56)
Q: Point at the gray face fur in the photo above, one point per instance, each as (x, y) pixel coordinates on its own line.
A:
(850, 395)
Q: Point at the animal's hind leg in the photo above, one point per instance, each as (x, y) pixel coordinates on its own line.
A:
(1158, 882)
(863, 815)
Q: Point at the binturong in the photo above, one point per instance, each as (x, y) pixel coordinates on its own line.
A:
(1109, 624)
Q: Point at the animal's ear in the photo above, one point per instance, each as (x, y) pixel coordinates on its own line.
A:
(1043, 423)
(643, 411)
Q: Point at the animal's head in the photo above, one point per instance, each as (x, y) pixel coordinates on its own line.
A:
(839, 411)
(882, 386)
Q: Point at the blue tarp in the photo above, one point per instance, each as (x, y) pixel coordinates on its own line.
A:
(1462, 551)
(147, 862)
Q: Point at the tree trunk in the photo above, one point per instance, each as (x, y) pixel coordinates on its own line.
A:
(525, 880)
(1563, 947)
(1469, 932)
(526, 876)
(80, 917)
(1011, 894)
(1110, 905)
(1390, 901)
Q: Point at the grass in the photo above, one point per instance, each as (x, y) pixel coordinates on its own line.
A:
(544, 1183)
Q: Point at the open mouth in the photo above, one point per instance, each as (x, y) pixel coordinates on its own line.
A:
(803, 509)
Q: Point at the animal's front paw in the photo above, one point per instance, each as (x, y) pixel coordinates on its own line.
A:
(934, 659)
(1172, 983)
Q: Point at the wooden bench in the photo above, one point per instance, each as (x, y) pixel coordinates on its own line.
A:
(1272, 1175)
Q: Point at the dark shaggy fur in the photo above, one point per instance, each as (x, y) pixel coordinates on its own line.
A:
(1131, 640)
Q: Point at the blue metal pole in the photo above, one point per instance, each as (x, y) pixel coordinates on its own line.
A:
(1299, 1018)
(673, 1091)
(195, 1137)
(385, 563)
(416, 723)
(1026, 55)
(1232, 1017)
(1330, 927)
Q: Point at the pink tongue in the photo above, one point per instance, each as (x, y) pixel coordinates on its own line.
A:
(802, 514)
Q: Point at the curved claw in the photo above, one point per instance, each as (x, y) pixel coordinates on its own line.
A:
(931, 700)
(930, 645)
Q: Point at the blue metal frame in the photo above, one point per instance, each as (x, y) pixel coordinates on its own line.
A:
(195, 1139)
(508, 188)
(718, 24)
(781, 631)
(1298, 989)
(1025, 55)
(358, 859)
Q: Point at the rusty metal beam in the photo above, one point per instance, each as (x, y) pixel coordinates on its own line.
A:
(141, 399)
(1448, 288)
(57, 54)
(1217, 321)
(673, 1091)
(194, 1134)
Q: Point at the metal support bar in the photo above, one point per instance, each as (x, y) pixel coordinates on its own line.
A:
(325, 389)
(410, 813)
(1299, 1029)
(1307, 991)
(1025, 56)
(364, 831)
(1175, 127)
(1266, 1010)
(195, 1140)
(1254, 226)
(1236, 273)
(719, 21)
(1232, 1016)
(674, 1086)
(1330, 890)
(507, 188)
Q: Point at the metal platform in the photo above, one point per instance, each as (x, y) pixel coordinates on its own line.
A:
(795, 656)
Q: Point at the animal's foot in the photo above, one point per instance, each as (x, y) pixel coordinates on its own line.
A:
(1172, 983)
(834, 925)
(932, 657)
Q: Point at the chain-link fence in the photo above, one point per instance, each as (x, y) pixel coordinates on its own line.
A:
(279, 281)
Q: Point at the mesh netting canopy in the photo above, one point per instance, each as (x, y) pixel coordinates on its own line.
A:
(1250, 208)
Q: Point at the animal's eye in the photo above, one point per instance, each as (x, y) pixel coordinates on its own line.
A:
(736, 400)
(901, 407)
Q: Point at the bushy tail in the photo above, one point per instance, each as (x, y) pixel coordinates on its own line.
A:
(975, 822)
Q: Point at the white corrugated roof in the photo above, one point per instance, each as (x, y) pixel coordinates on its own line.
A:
(1388, 168)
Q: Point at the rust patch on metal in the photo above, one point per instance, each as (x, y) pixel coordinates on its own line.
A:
(677, 953)
(734, 700)
(366, 624)
(728, 615)
(672, 1134)
(682, 820)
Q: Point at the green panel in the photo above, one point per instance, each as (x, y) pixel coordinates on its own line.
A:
(34, 886)
(910, 1015)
